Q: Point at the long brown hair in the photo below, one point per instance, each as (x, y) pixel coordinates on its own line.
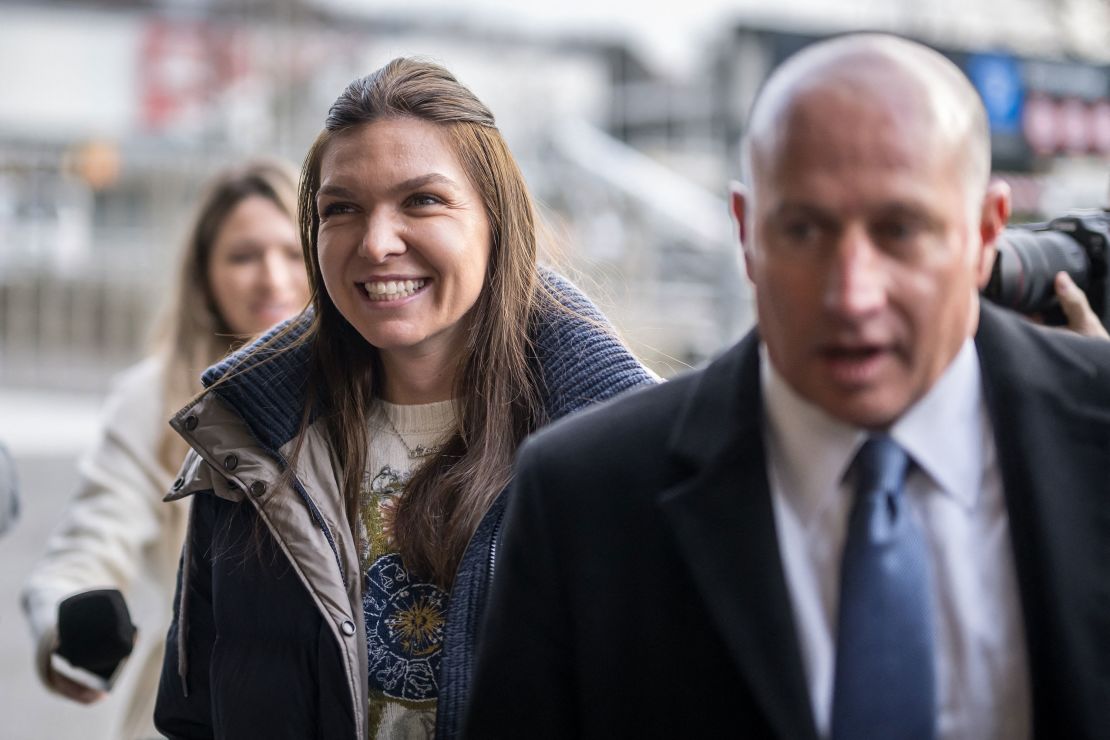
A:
(191, 334)
(497, 390)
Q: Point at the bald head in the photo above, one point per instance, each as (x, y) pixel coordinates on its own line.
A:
(909, 79)
(869, 224)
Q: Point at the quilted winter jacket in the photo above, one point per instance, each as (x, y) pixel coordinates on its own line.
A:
(268, 638)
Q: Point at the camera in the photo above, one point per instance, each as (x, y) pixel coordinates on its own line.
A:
(1030, 255)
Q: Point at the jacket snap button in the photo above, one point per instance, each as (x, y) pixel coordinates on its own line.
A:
(190, 422)
(231, 462)
(258, 488)
(179, 484)
(348, 628)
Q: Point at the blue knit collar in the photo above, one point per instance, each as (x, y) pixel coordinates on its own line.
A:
(581, 362)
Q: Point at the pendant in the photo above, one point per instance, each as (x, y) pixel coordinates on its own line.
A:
(424, 451)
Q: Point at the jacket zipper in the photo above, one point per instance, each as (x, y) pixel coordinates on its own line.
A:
(494, 536)
(314, 512)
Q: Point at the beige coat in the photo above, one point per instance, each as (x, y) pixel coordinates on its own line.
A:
(115, 532)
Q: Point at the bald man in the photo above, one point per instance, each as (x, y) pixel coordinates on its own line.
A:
(884, 513)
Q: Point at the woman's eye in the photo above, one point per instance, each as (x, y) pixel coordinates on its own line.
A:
(335, 209)
(242, 258)
(424, 199)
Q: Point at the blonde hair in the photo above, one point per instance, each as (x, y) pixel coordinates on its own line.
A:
(191, 334)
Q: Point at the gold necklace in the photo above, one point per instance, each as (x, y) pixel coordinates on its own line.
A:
(415, 453)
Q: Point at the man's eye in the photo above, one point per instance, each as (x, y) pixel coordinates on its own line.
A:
(894, 231)
(800, 231)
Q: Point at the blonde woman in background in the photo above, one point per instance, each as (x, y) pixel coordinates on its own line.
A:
(241, 273)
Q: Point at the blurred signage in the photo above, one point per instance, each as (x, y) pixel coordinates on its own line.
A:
(997, 77)
(1040, 109)
(184, 67)
(97, 163)
(1036, 108)
(1068, 112)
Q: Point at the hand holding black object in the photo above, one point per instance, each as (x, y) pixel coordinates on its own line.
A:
(95, 632)
(1081, 318)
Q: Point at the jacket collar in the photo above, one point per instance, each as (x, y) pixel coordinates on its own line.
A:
(579, 357)
(1049, 402)
(265, 381)
(721, 513)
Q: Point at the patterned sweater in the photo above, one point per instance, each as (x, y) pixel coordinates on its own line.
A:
(404, 617)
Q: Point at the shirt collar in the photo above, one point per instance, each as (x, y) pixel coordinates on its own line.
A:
(946, 432)
(943, 433)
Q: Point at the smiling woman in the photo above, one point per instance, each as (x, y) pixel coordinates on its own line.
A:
(367, 446)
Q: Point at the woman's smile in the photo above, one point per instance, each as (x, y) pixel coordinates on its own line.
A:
(392, 290)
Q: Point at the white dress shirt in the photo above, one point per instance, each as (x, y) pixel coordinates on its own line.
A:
(955, 489)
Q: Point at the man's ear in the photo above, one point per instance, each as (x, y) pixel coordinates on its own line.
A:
(992, 222)
(739, 202)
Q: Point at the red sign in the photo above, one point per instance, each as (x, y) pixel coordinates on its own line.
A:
(184, 67)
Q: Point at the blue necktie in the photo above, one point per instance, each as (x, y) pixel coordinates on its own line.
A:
(884, 686)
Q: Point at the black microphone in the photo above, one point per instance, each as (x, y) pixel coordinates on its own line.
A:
(95, 632)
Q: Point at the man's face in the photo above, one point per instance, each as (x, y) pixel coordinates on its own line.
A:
(866, 253)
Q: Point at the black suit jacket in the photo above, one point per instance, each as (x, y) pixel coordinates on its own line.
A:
(639, 589)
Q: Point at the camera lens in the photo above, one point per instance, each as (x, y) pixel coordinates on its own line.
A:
(1026, 266)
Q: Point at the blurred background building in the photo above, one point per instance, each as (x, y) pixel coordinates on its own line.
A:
(624, 118)
(111, 113)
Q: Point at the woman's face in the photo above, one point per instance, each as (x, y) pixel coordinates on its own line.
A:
(255, 271)
(404, 240)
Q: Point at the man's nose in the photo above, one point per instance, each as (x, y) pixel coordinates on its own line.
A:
(856, 281)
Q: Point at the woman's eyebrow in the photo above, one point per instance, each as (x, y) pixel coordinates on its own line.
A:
(413, 183)
(432, 178)
(335, 191)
